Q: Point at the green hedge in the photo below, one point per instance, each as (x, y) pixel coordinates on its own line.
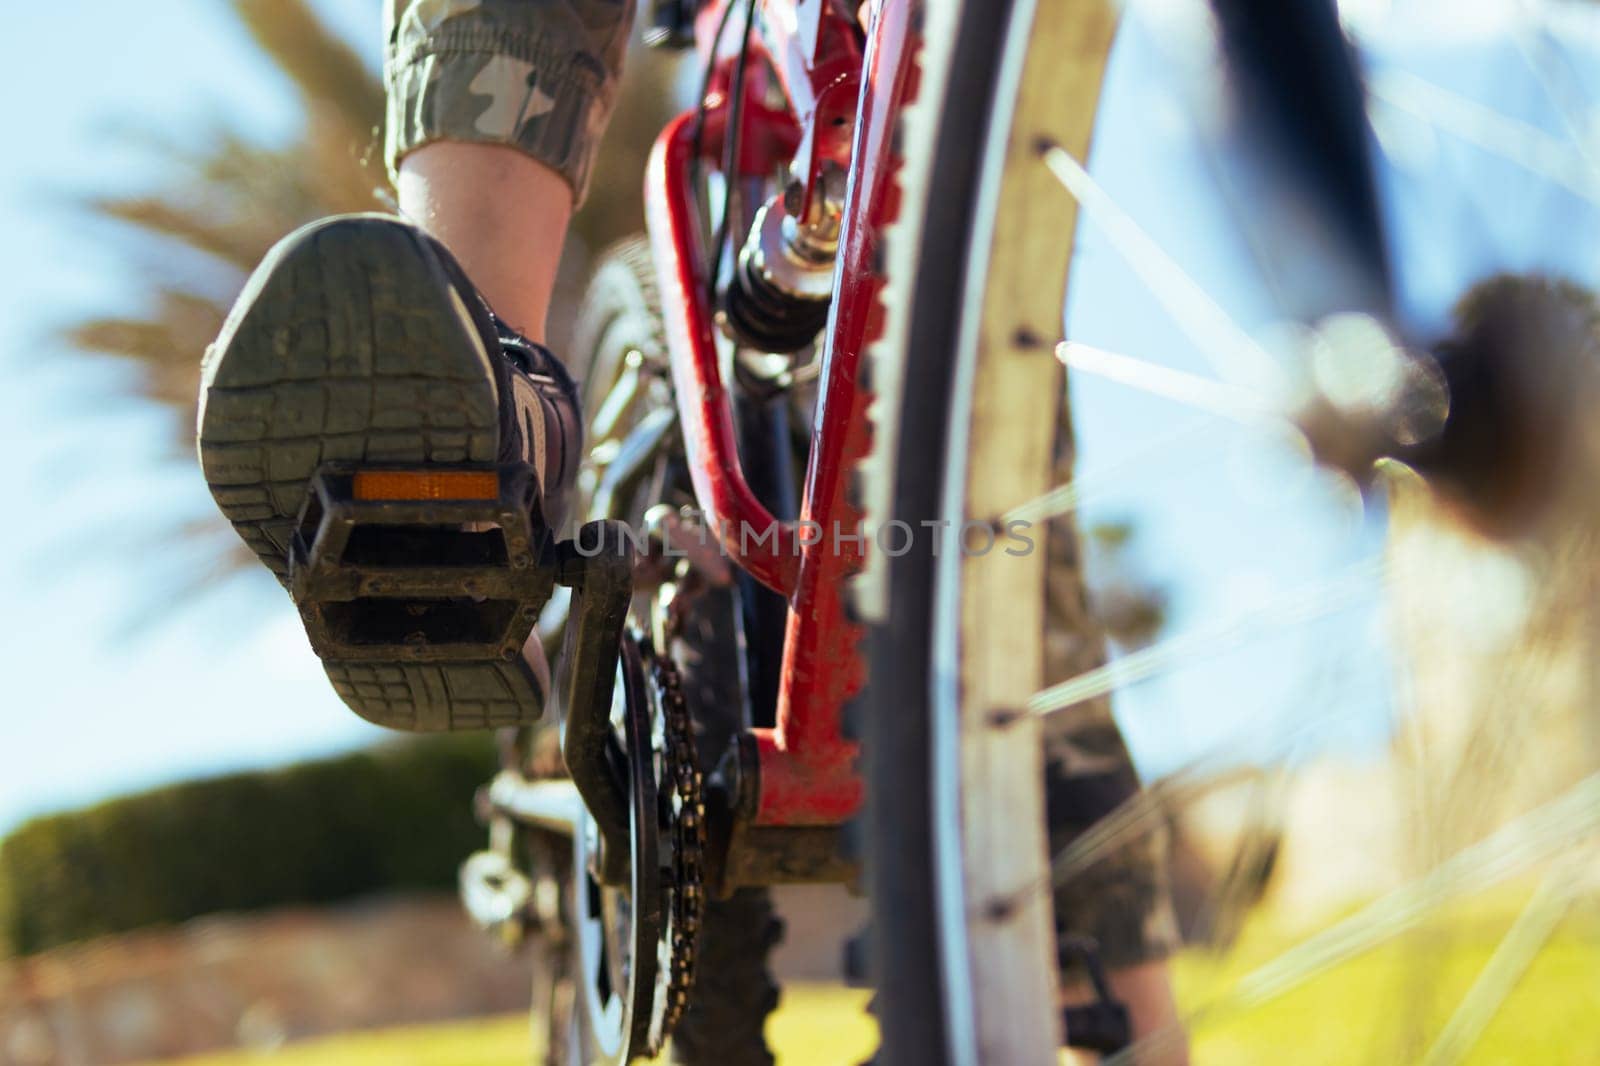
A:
(396, 817)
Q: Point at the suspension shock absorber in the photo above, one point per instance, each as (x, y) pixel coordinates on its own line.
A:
(778, 298)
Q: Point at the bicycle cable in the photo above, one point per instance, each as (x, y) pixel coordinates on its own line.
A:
(697, 137)
(730, 153)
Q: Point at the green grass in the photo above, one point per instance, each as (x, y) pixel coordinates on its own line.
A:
(1387, 1005)
(481, 1042)
(1381, 1007)
(822, 1024)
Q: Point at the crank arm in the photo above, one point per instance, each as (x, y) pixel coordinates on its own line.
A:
(598, 566)
(552, 805)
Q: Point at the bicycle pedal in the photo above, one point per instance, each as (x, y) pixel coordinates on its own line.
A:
(419, 586)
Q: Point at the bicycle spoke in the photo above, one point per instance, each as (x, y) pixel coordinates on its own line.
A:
(1213, 397)
(1510, 139)
(1536, 836)
(1511, 959)
(1231, 351)
(1532, 838)
(1239, 405)
(1141, 813)
(1303, 605)
(1543, 58)
(1067, 498)
(1208, 773)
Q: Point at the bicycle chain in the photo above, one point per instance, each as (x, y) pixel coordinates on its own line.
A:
(689, 839)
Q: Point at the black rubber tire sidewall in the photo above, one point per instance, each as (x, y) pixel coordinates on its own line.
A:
(896, 823)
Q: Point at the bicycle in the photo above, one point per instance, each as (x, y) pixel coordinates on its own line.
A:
(875, 208)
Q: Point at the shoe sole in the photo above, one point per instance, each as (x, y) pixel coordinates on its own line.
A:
(350, 344)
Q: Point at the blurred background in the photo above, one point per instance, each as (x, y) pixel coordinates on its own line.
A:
(201, 849)
(159, 692)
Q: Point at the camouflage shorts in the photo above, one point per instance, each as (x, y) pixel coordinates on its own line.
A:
(538, 75)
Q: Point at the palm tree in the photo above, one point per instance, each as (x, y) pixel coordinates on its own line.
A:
(228, 202)
(231, 200)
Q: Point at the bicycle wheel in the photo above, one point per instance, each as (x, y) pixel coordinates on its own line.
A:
(1248, 258)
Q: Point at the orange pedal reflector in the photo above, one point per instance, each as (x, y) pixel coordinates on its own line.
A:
(426, 485)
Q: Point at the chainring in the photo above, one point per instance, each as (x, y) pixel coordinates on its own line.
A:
(636, 942)
(616, 927)
(684, 825)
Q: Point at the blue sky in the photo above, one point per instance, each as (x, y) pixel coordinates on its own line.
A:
(97, 697)
(96, 702)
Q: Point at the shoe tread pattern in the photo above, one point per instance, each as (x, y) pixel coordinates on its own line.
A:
(348, 346)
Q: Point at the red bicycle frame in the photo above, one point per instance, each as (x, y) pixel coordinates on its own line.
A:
(844, 91)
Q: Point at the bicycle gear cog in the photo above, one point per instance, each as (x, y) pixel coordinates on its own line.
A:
(633, 945)
(684, 815)
(617, 928)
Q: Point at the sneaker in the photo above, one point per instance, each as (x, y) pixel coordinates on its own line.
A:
(359, 339)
